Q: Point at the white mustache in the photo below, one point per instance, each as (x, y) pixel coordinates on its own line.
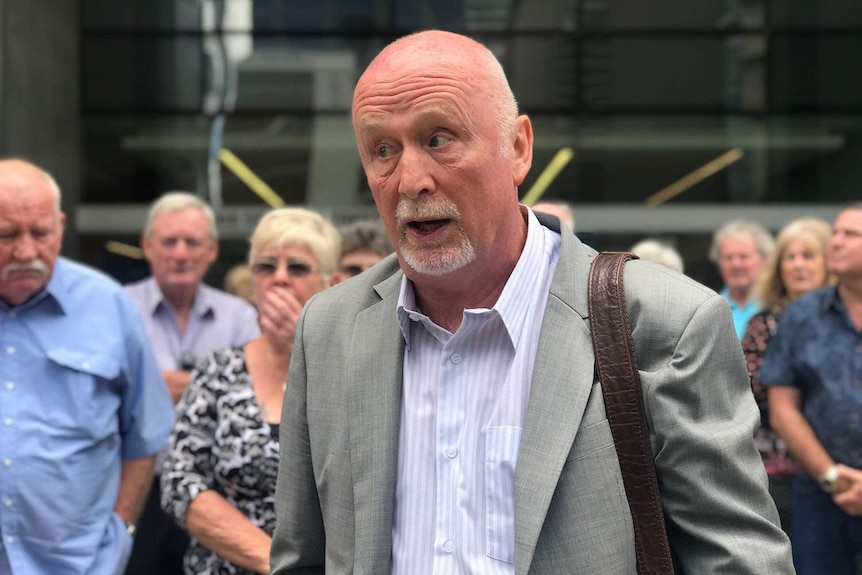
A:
(37, 265)
(427, 209)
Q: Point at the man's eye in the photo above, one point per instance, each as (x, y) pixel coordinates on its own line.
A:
(437, 141)
(384, 151)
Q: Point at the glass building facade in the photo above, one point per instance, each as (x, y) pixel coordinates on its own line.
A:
(729, 108)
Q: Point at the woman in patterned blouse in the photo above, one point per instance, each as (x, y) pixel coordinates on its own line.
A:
(219, 478)
(797, 266)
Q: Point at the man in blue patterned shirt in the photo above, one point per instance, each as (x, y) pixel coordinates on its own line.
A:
(813, 366)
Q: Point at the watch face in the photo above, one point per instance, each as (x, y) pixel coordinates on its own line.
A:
(829, 481)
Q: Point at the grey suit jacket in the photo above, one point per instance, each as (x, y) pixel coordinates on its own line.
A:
(339, 435)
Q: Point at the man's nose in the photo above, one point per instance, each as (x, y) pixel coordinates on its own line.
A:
(25, 248)
(181, 249)
(414, 177)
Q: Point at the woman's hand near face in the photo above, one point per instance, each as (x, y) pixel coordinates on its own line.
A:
(278, 313)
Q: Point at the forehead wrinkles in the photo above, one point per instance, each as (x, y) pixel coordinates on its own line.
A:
(183, 223)
(403, 94)
(23, 187)
(21, 206)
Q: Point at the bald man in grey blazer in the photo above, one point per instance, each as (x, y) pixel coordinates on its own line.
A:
(444, 152)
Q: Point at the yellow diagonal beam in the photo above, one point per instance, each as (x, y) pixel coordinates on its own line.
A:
(125, 250)
(548, 175)
(695, 177)
(244, 173)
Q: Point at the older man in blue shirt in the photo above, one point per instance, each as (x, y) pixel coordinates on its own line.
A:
(739, 249)
(83, 409)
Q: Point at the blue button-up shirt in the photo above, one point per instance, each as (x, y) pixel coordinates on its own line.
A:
(818, 351)
(80, 391)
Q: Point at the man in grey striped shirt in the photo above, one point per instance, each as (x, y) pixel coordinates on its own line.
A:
(442, 413)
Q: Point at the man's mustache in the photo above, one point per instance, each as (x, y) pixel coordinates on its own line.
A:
(417, 210)
(37, 265)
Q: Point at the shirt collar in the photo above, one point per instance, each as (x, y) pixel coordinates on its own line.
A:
(734, 305)
(56, 291)
(511, 306)
(155, 299)
(203, 306)
(58, 286)
(832, 300)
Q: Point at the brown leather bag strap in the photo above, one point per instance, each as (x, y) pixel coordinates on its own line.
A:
(618, 372)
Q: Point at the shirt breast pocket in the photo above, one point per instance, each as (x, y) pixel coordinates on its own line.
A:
(501, 456)
(84, 398)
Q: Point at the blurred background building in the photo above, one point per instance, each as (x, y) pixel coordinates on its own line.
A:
(726, 108)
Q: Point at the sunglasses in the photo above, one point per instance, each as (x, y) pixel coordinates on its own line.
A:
(295, 269)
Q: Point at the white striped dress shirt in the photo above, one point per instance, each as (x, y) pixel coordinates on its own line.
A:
(464, 405)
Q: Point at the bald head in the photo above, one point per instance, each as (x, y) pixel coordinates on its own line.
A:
(444, 152)
(21, 176)
(452, 56)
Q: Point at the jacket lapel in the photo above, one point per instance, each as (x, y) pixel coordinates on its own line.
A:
(561, 384)
(374, 414)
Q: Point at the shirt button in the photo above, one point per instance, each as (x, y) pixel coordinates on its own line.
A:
(8, 421)
(456, 358)
(448, 546)
(8, 503)
(10, 539)
(451, 452)
(10, 386)
(10, 350)
(86, 365)
(7, 463)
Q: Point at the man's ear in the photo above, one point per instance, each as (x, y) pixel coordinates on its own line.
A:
(523, 149)
(214, 252)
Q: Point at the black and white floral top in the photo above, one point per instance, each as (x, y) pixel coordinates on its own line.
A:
(220, 441)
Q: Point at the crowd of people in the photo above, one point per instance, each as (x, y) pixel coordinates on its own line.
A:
(432, 411)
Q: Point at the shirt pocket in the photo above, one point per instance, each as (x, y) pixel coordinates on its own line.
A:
(83, 386)
(501, 456)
